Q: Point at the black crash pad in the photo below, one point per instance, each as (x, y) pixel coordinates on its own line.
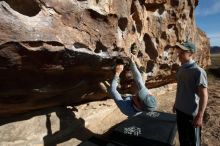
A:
(143, 129)
(147, 128)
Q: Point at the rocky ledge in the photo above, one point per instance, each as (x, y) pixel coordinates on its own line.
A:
(56, 52)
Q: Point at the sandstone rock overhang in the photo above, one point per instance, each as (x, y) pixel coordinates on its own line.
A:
(56, 52)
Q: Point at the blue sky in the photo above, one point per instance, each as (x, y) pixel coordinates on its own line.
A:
(208, 19)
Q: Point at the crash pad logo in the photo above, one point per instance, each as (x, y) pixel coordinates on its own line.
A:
(153, 114)
(133, 130)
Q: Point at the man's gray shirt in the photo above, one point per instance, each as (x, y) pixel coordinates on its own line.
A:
(189, 77)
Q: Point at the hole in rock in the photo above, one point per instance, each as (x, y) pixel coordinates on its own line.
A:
(133, 29)
(150, 66)
(133, 8)
(149, 47)
(153, 7)
(97, 16)
(122, 23)
(189, 2)
(80, 45)
(174, 3)
(167, 48)
(164, 66)
(191, 13)
(170, 26)
(100, 47)
(118, 49)
(157, 40)
(183, 16)
(34, 44)
(138, 21)
(163, 35)
(54, 43)
(136, 17)
(26, 7)
(173, 14)
(176, 32)
(196, 2)
(161, 10)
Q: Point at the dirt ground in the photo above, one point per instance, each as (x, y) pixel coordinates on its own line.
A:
(211, 127)
(71, 127)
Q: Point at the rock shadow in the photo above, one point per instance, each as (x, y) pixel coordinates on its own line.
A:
(69, 126)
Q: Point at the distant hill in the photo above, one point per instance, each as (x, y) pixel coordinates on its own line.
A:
(215, 49)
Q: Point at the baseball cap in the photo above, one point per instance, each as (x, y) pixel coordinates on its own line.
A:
(187, 46)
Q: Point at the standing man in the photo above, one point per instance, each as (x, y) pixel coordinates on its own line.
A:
(191, 96)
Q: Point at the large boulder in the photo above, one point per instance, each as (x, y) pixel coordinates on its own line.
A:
(56, 52)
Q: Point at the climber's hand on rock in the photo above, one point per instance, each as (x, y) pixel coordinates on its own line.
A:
(132, 58)
(118, 69)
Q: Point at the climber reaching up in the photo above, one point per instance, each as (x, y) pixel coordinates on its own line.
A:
(132, 104)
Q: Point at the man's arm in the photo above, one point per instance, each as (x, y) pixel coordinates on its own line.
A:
(118, 69)
(136, 73)
(203, 94)
(113, 87)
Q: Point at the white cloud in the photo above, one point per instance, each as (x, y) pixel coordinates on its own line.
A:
(213, 9)
(214, 39)
(214, 35)
(215, 42)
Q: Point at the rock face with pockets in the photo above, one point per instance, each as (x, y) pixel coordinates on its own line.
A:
(55, 52)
